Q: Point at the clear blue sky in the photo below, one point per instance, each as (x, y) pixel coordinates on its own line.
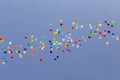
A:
(94, 61)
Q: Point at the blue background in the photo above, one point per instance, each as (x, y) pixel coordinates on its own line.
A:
(94, 61)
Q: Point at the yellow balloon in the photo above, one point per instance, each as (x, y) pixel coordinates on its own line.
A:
(3, 62)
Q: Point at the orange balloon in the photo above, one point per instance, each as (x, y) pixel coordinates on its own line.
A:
(65, 29)
(75, 20)
(15, 46)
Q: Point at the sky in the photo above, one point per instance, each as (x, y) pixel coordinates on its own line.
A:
(93, 61)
